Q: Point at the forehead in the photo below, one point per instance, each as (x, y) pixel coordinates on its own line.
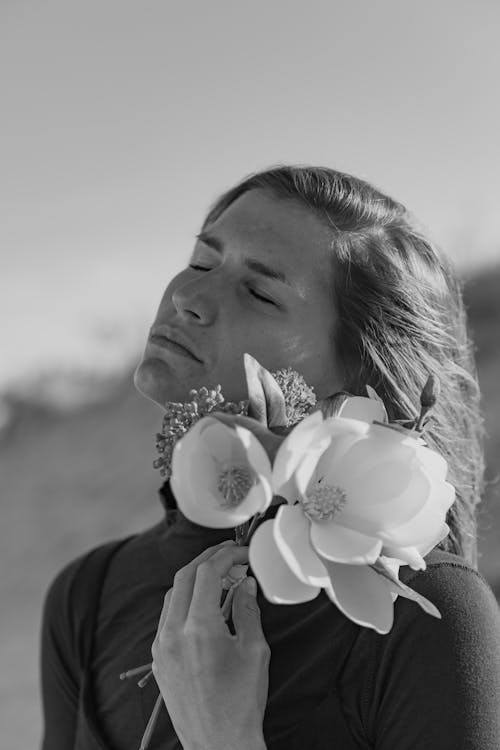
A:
(280, 231)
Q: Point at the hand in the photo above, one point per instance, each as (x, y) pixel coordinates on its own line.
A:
(214, 684)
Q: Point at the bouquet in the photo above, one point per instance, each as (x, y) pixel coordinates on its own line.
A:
(358, 496)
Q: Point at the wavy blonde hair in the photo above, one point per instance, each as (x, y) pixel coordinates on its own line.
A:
(400, 317)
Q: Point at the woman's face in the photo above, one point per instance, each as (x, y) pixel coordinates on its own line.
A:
(227, 302)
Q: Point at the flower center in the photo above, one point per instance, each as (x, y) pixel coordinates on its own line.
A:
(234, 485)
(323, 502)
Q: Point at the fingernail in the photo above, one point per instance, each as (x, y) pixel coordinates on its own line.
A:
(251, 585)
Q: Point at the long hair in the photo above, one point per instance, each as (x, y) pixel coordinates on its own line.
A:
(400, 317)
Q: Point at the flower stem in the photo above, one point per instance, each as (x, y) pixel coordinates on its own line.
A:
(227, 603)
(253, 526)
(144, 680)
(134, 672)
(151, 723)
(240, 533)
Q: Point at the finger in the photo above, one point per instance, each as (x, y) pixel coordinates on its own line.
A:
(182, 590)
(205, 601)
(162, 620)
(164, 611)
(246, 612)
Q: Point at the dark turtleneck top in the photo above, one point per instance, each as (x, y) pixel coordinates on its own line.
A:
(333, 685)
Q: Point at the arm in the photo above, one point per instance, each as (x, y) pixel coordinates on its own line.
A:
(59, 668)
(436, 683)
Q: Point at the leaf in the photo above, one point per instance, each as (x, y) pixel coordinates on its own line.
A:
(267, 402)
(400, 588)
(372, 393)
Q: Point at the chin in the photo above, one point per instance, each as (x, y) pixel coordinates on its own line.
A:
(148, 382)
(154, 380)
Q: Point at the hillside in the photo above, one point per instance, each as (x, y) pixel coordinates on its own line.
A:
(67, 483)
(482, 297)
(70, 481)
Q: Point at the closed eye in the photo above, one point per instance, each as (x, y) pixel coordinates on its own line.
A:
(259, 296)
(252, 291)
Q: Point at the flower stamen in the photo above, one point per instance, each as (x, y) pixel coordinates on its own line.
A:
(323, 502)
(234, 484)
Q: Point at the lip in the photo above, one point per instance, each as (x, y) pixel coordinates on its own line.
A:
(172, 340)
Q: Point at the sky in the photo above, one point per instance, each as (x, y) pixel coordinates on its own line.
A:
(122, 121)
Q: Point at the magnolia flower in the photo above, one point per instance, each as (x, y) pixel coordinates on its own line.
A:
(221, 476)
(362, 499)
(278, 399)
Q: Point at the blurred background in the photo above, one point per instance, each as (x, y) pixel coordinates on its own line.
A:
(121, 122)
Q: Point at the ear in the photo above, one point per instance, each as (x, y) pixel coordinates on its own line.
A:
(267, 402)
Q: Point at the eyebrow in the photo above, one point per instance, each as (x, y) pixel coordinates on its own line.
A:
(253, 265)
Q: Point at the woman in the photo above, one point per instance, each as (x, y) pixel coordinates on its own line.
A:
(317, 270)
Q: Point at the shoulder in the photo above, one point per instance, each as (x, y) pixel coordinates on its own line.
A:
(450, 652)
(431, 675)
(73, 584)
(457, 589)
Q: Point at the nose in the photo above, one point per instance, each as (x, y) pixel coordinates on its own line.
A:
(196, 300)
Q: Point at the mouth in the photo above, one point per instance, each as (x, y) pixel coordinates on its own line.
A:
(165, 340)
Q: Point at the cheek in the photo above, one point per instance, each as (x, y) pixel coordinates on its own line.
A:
(312, 353)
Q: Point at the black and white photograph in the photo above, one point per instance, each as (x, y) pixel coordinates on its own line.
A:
(250, 375)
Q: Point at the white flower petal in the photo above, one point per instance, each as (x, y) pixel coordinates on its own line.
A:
(443, 496)
(279, 584)
(389, 495)
(205, 510)
(292, 449)
(195, 474)
(426, 524)
(408, 556)
(344, 433)
(343, 545)
(434, 464)
(364, 409)
(222, 443)
(305, 471)
(193, 490)
(289, 491)
(431, 542)
(255, 452)
(291, 533)
(189, 451)
(362, 595)
(391, 565)
(374, 449)
(416, 531)
(324, 456)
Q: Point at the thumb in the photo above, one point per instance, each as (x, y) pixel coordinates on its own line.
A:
(246, 611)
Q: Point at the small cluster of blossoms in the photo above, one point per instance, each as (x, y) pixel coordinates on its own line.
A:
(300, 398)
(179, 417)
